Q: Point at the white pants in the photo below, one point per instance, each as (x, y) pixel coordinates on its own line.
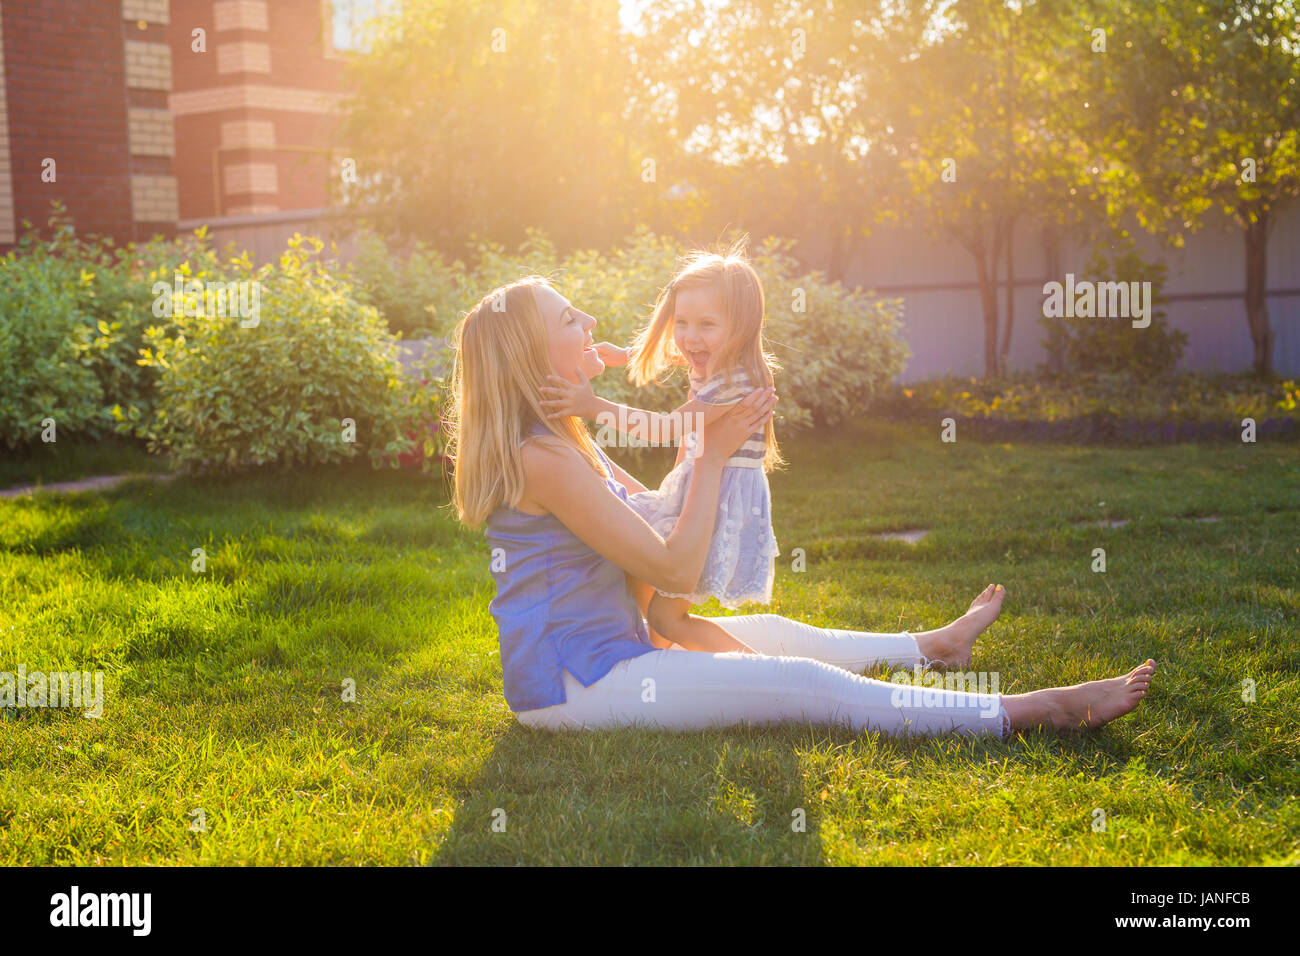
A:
(801, 674)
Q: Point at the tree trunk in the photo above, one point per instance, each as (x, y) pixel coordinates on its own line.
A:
(1256, 293)
(1011, 297)
(1052, 262)
(852, 246)
(989, 300)
(835, 268)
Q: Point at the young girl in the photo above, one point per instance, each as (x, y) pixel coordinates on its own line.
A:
(710, 320)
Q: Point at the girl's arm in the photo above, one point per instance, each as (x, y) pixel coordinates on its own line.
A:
(613, 356)
(562, 483)
(566, 398)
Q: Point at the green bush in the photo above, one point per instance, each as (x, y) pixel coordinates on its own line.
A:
(1170, 400)
(124, 285)
(1112, 346)
(83, 341)
(424, 396)
(837, 353)
(419, 295)
(84, 320)
(840, 353)
(279, 390)
(46, 343)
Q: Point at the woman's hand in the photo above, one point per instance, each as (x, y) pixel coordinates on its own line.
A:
(723, 437)
(613, 356)
(566, 398)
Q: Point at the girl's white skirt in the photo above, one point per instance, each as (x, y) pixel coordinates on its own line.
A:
(742, 553)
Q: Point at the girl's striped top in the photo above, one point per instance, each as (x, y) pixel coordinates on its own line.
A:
(717, 390)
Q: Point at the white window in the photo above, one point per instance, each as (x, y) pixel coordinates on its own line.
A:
(345, 22)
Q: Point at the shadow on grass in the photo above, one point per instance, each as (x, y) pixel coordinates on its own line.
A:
(795, 794)
(638, 797)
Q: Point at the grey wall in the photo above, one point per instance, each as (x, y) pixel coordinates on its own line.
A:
(943, 323)
(942, 319)
(266, 236)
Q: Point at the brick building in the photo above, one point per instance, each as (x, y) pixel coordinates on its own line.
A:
(255, 114)
(84, 116)
(145, 116)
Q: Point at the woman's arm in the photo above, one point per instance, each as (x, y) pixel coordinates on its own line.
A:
(561, 482)
(642, 593)
(681, 454)
(623, 478)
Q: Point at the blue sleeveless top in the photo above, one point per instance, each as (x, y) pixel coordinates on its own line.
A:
(559, 606)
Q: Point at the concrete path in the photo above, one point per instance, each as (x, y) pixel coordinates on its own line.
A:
(99, 483)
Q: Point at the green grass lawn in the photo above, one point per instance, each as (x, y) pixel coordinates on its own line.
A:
(223, 688)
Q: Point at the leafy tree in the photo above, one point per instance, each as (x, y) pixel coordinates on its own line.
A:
(974, 133)
(779, 105)
(1198, 108)
(474, 119)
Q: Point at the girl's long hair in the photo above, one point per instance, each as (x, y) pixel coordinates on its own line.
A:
(740, 297)
(501, 363)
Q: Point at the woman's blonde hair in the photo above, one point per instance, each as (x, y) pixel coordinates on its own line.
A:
(740, 298)
(502, 360)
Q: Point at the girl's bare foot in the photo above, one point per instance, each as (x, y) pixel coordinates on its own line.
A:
(952, 645)
(1081, 706)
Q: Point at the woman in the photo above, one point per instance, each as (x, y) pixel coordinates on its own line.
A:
(575, 650)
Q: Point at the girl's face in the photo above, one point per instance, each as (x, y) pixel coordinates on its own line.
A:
(568, 335)
(699, 328)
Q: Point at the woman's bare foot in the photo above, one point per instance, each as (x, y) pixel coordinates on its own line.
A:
(951, 645)
(1081, 706)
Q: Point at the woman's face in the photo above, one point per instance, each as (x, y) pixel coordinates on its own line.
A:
(568, 334)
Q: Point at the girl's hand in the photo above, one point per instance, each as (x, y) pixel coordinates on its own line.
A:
(613, 356)
(723, 437)
(565, 398)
